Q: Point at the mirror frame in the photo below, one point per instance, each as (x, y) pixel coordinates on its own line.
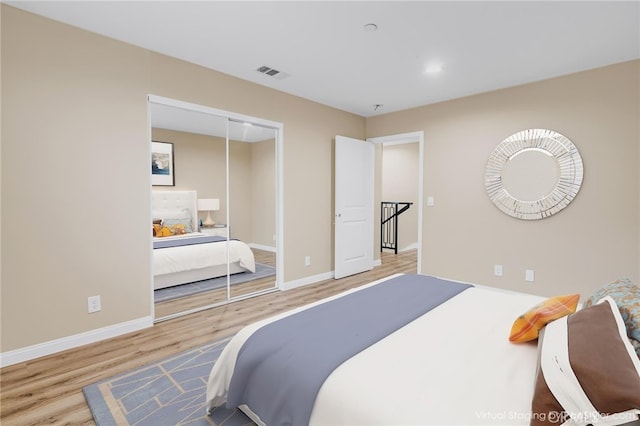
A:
(568, 184)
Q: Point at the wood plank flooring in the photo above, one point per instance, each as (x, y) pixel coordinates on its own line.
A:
(48, 390)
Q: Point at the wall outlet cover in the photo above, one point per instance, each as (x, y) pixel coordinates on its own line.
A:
(497, 270)
(529, 275)
(94, 304)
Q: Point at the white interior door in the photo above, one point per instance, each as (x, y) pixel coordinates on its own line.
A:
(354, 182)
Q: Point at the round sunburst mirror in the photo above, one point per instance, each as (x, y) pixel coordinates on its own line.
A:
(533, 174)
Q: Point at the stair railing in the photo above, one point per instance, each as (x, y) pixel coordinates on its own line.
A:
(389, 212)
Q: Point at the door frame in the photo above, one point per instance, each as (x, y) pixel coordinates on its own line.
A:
(402, 138)
(279, 228)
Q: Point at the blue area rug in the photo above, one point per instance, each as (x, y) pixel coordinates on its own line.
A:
(175, 292)
(170, 392)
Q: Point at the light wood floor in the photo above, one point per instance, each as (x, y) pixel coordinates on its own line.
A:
(48, 390)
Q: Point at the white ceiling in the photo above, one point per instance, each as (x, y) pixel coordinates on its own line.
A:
(184, 120)
(331, 59)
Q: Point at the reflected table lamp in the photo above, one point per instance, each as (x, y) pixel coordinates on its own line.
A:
(208, 205)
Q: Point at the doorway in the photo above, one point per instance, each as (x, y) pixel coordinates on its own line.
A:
(400, 142)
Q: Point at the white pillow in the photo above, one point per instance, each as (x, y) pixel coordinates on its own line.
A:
(175, 217)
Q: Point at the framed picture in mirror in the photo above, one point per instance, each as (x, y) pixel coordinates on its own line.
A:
(162, 164)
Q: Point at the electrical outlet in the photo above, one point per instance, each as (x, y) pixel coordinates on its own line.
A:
(497, 270)
(529, 275)
(94, 304)
(307, 261)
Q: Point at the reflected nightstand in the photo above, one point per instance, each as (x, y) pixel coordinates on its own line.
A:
(219, 230)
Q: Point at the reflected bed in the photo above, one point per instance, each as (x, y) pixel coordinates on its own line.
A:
(192, 256)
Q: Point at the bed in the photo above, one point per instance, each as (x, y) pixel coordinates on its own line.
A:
(192, 256)
(445, 359)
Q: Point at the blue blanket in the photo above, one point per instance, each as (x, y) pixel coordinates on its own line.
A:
(282, 365)
(187, 241)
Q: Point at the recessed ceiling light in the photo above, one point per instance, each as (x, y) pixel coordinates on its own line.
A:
(433, 69)
(370, 27)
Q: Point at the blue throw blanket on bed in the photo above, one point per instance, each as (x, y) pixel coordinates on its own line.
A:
(187, 241)
(282, 365)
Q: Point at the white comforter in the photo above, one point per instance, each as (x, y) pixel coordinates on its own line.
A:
(452, 366)
(195, 256)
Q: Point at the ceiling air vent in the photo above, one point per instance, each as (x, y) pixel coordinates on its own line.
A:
(272, 72)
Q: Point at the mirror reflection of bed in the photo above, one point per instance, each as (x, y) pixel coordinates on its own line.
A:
(190, 268)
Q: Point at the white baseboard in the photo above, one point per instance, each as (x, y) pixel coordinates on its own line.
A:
(316, 278)
(412, 246)
(262, 247)
(47, 348)
(306, 281)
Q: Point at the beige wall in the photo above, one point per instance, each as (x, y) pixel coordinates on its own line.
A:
(400, 172)
(75, 197)
(75, 178)
(263, 193)
(240, 180)
(593, 241)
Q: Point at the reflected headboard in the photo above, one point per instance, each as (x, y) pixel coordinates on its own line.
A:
(166, 203)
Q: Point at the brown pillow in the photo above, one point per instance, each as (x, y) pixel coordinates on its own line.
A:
(591, 343)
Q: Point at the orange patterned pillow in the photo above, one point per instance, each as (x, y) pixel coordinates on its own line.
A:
(161, 231)
(528, 325)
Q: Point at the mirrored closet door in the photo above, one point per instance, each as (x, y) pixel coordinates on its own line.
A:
(252, 201)
(215, 216)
